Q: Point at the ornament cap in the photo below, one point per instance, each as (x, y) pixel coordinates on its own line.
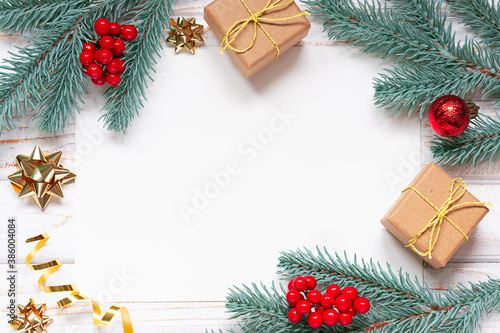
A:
(474, 109)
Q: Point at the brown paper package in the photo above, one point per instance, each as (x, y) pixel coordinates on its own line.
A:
(222, 14)
(410, 214)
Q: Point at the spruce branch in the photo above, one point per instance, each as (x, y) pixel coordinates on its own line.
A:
(125, 100)
(480, 141)
(261, 309)
(482, 17)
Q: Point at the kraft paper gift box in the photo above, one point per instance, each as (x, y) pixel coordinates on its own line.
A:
(221, 15)
(411, 213)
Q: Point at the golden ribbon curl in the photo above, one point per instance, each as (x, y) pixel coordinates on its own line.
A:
(52, 267)
(441, 213)
(256, 18)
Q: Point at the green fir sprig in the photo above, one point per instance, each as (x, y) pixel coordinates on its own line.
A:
(420, 39)
(400, 304)
(479, 142)
(46, 75)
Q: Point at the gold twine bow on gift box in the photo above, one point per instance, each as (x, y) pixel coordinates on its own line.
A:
(441, 214)
(256, 18)
(51, 267)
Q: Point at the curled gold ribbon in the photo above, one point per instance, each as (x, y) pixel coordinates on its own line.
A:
(256, 18)
(75, 296)
(441, 213)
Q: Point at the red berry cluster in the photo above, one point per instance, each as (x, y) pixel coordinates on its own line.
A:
(107, 52)
(306, 300)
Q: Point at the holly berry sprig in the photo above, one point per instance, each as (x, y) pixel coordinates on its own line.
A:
(107, 52)
(304, 299)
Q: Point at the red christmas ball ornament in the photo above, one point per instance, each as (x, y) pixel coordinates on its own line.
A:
(113, 79)
(94, 71)
(102, 27)
(350, 292)
(314, 296)
(89, 47)
(361, 305)
(106, 42)
(86, 58)
(294, 316)
(300, 283)
(330, 317)
(450, 115)
(311, 282)
(343, 303)
(114, 29)
(118, 47)
(345, 319)
(99, 81)
(314, 320)
(128, 33)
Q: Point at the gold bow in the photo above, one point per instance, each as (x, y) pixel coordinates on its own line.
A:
(441, 213)
(52, 267)
(256, 18)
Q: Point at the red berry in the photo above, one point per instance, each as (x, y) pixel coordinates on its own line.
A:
(114, 29)
(311, 282)
(106, 42)
(118, 47)
(122, 67)
(290, 284)
(94, 71)
(303, 307)
(314, 296)
(350, 292)
(293, 297)
(343, 303)
(102, 27)
(103, 56)
(319, 309)
(345, 319)
(314, 320)
(294, 316)
(128, 33)
(86, 58)
(113, 79)
(327, 301)
(333, 290)
(114, 66)
(361, 305)
(330, 317)
(300, 283)
(352, 312)
(99, 81)
(89, 47)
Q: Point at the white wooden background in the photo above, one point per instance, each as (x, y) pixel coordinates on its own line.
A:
(477, 259)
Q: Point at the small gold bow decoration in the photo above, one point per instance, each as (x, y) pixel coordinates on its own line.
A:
(31, 318)
(185, 33)
(257, 20)
(442, 214)
(40, 176)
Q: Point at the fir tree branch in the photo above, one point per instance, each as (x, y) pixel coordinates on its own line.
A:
(27, 15)
(385, 32)
(125, 100)
(482, 17)
(480, 141)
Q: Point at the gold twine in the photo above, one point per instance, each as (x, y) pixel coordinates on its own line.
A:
(441, 213)
(256, 18)
(51, 267)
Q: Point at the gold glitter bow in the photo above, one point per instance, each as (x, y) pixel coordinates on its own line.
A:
(52, 267)
(256, 18)
(185, 33)
(441, 213)
(31, 318)
(40, 176)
